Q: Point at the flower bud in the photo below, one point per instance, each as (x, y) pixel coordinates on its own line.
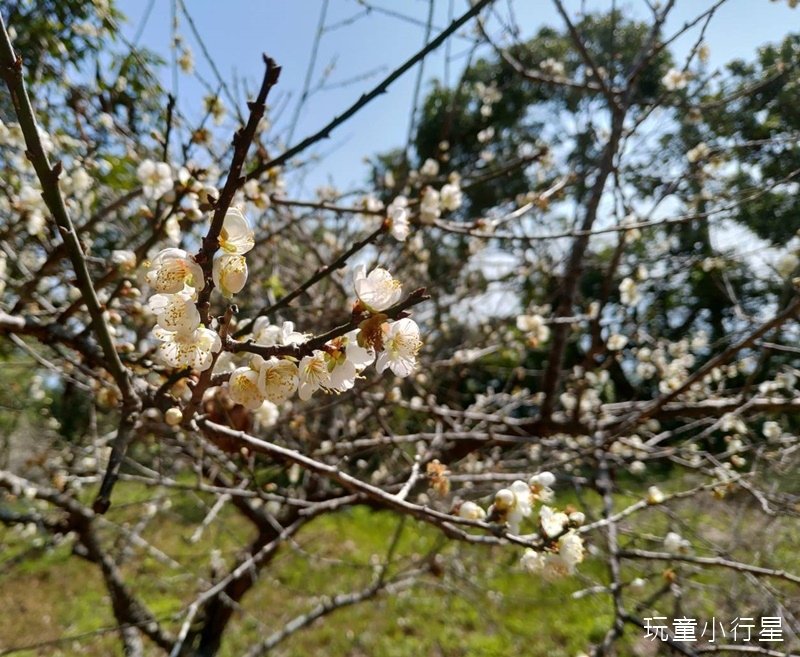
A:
(173, 417)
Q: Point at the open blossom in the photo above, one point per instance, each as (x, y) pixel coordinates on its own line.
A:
(553, 565)
(236, 236)
(699, 152)
(616, 342)
(173, 268)
(156, 178)
(272, 335)
(771, 430)
(675, 80)
(628, 292)
(429, 210)
(429, 168)
(397, 213)
(349, 359)
(675, 543)
(512, 504)
(553, 522)
(243, 388)
(230, 273)
(378, 290)
(194, 349)
(277, 378)
(535, 326)
(313, 374)
(451, 196)
(401, 345)
(176, 312)
(266, 415)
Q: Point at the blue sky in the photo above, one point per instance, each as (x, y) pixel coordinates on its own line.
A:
(236, 32)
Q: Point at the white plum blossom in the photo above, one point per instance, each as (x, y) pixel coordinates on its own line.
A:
(397, 214)
(156, 178)
(429, 168)
(675, 543)
(471, 511)
(277, 378)
(771, 430)
(314, 374)
(553, 565)
(616, 342)
(401, 344)
(451, 196)
(243, 388)
(173, 268)
(786, 264)
(230, 273)
(348, 360)
(654, 495)
(699, 152)
(429, 209)
(535, 327)
(124, 259)
(377, 290)
(675, 80)
(512, 504)
(176, 312)
(194, 349)
(236, 236)
(266, 415)
(272, 335)
(553, 522)
(628, 292)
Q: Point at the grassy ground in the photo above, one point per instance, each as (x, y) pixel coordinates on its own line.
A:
(481, 605)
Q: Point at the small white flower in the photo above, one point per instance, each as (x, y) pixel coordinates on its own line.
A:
(675, 543)
(429, 210)
(628, 292)
(570, 549)
(349, 360)
(243, 388)
(471, 511)
(176, 312)
(378, 290)
(535, 326)
(314, 374)
(675, 80)
(654, 495)
(616, 342)
(552, 522)
(277, 379)
(771, 430)
(266, 415)
(401, 345)
(193, 349)
(156, 178)
(171, 269)
(546, 479)
(699, 152)
(230, 273)
(429, 168)
(272, 335)
(397, 213)
(451, 196)
(236, 236)
(786, 264)
(124, 259)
